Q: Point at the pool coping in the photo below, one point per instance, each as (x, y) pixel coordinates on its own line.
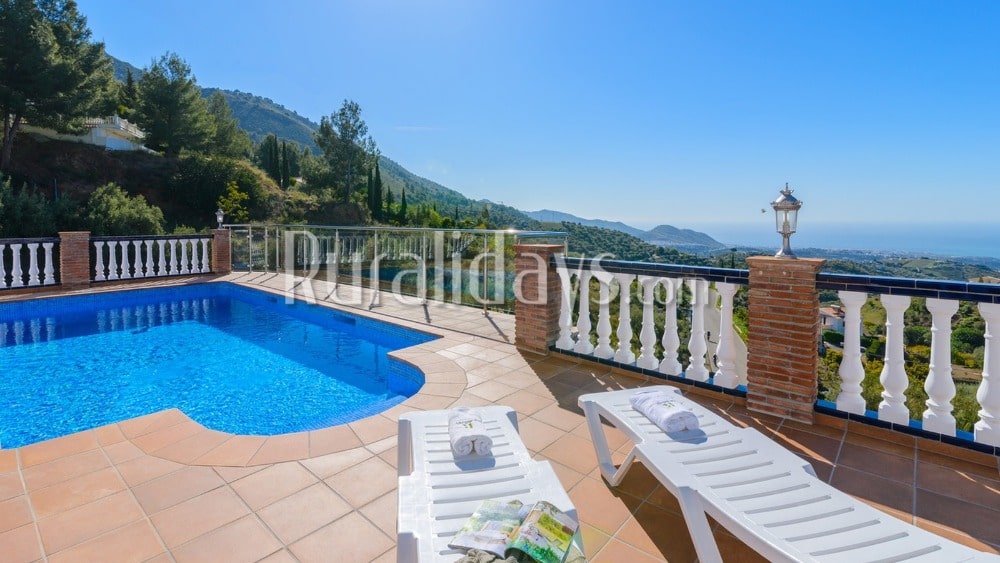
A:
(172, 435)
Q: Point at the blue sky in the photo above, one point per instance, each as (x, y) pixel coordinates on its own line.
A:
(692, 114)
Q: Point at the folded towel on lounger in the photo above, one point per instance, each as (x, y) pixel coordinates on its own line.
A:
(468, 433)
(665, 409)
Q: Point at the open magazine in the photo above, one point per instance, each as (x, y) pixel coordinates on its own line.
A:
(535, 533)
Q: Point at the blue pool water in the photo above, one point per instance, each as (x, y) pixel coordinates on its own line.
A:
(231, 358)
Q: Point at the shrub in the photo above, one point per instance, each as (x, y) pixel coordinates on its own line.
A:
(111, 212)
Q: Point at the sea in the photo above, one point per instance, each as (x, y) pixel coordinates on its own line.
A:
(929, 239)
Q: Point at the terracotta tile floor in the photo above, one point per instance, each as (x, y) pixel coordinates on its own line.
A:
(161, 488)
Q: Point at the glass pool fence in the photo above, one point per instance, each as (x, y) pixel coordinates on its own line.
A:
(463, 266)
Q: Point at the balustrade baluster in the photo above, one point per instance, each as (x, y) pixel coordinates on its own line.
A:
(697, 345)
(647, 335)
(670, 340)
(113, 262)
(894, 379)
(49, 270)
(940, 386)
(624, 353)
(583, 344)
(126, 261)
(99, 267)
(148, 266)
(206, 266)
(565, 341)
(137, 271)
(987, 429)
(33, 264)
(17, 277)
(185, 265)
(161, 263)
(725, 352)
(604, 349)
(174, 269)
(852, 371)
(3, 273)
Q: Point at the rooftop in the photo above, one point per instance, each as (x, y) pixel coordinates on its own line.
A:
(163, 488)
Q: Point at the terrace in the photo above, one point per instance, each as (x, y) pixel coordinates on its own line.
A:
(161, 487)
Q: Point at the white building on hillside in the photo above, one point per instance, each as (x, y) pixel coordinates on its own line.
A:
(112, 133)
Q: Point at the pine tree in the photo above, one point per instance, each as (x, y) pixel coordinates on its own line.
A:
(128, 97)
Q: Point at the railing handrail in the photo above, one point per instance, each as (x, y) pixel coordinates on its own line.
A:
(709, 273)
(939, 289)
(152, 237)
(516, 232)
(28, 240)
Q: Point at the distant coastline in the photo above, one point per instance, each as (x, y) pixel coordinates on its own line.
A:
(936, 239)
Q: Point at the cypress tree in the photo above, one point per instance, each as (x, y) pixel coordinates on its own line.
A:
(286, 174)
(402, 208)
(371, 197)
(377, 196)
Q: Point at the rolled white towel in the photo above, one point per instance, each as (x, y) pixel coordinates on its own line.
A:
(665, 409)
(468, 433)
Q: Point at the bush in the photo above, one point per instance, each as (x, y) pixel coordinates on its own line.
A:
(833, 337)
(111, 212)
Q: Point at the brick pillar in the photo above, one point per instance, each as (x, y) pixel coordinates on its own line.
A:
(74, 259)
(222, 262)
(537, 301)
(783, 337)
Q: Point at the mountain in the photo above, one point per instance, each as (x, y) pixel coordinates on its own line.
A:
(549, 215)
(260, 116)
(664, 235)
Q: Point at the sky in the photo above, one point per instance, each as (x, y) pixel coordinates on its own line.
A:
(692, 114)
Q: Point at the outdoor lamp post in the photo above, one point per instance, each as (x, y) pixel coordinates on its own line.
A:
(219, 215)
(786, 214)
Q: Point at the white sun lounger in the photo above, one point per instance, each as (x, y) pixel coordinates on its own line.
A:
(438, 493)
(762, 493)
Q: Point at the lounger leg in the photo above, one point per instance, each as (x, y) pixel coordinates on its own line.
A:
(612, 475)
(697, 523)
(404, 455)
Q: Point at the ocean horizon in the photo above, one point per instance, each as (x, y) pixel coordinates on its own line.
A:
(938, 239)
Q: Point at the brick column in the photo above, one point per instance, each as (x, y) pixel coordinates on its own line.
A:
(536, 292)
(74, 259)
(783, 337)
(222, 262)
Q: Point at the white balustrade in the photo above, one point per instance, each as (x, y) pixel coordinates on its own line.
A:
(604, 349)
(987, 429)
(40, 269)
(725, 353)
(583, 344)
(671, 340)
(126, 261)
(852, 371)
(647, 335)
(939, 385)
(893, 378)
(697, 345)
(624, 352)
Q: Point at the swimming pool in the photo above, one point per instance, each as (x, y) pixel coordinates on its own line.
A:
(233, 359)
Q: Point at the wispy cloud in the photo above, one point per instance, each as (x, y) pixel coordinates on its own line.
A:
(416, 128)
